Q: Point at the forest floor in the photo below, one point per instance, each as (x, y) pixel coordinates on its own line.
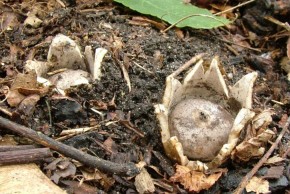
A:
(249, 44)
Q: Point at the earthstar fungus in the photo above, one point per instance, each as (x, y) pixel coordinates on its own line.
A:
(201, 118)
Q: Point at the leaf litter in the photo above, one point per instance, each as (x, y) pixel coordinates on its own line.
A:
(146, 47)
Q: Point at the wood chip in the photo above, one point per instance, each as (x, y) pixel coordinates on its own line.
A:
(144, 182)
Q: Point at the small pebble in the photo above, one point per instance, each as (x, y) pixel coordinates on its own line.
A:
(230, 76)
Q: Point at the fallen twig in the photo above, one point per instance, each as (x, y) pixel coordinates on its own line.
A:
(130, 126)
(250, 174)
(49, 112)
(187, 64)
(240, 45)
(69, 133)
(6, 111)
(79, 130)
(128, 169)
(61, 3)
(277, 22)
(235, 7)
(24, 156)
(19, 147)
(126, 123)
(142, 67)
(126, 75)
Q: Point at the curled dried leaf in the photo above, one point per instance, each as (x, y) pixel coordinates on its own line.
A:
(258, 185)
(194, 180)
(254, 147)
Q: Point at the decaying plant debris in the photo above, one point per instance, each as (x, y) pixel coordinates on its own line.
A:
(124, 66)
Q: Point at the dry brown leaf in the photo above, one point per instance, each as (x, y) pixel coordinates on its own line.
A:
(110, 144)
(8, 21)
(257, 136)
(53, 164)
(274, 172)
(285, 65)
(274, 160)
(179, 33)
(261, 121)
(106, 181)
(221, 7)
(117, 43)
(158, 59)
(69, 171)
(254, 147)
(136, 21)
(61, 168)
(283, 120)
(239, 40)
(7, 140)
(194, 180)
(27, 106)
(156, 169)
(15, 53)
(77, 188)
(32, 91)
(97, 176)
(144, 21)
(258, 185)
(21, 81)
(165, 185)
(14, 98)
(92, 175)
(98, 104)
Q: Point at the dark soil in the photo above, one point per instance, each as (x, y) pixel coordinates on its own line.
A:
(140, 45)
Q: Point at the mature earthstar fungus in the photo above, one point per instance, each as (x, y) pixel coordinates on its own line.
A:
(201, 118)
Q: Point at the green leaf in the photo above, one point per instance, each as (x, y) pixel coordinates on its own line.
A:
(173, 11)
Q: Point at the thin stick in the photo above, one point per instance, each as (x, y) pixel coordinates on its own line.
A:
(99, 143)
(247, 47)
(128, 169)
(79, 130)
(277, 102)
(130, 126)
(125, 73)
(235, 7)
(277, 22)
(19, 147)
(142, 67)
(49, 112)
(187, 64)
(5, 111)
(61, 3)
(250, 174)
(66, 134)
